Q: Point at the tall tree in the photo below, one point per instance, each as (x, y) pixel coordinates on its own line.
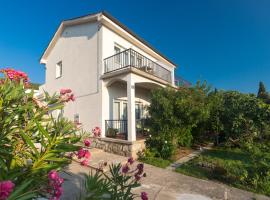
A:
(262, 94)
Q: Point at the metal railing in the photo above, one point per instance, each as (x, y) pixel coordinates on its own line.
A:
(119, 128)
(116, 129)
(131, 58)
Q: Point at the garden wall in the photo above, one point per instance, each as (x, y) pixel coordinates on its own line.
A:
(119, 147)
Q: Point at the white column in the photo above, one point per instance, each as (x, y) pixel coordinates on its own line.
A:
(105, 107)
(131, 108)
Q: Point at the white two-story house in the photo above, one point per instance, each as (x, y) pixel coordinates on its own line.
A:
(111, 71)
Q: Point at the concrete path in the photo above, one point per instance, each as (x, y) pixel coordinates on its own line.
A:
(160, 184)
(187, 158)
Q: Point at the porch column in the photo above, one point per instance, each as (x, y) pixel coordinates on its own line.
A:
(131, 108)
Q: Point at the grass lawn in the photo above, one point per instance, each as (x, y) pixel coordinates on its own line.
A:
(158, 162)
(230, 166)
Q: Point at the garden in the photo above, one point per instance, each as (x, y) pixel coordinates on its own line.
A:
(237, 124)
(35, 148)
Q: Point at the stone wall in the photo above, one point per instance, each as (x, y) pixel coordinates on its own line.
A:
(120, 147)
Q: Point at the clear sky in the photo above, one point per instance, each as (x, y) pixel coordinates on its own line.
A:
(226, 42)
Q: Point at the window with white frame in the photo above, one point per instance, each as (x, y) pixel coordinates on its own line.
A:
(58, 70)
(120, 110)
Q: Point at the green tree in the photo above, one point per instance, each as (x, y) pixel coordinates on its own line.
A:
(262, 93)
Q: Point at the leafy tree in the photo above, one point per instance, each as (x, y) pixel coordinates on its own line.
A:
(174, 113)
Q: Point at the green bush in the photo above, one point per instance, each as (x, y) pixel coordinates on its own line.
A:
(174, 113)
(32, 142)
(115, 184)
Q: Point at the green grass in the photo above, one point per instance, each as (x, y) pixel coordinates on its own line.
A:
(158, 162)
(229, 166)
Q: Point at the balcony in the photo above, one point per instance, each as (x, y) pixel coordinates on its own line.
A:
(118, 129)
(130, 58)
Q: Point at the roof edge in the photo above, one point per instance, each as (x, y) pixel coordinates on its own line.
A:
(95, 16)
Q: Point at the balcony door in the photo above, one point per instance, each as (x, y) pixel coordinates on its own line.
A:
(120, 111)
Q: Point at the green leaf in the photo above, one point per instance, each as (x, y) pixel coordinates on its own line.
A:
(29, 142)
(19, 190)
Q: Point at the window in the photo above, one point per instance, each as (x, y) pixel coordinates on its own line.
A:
(116, 110)
(138, 111)
(117, 51)
(124, 110)
(58, 70)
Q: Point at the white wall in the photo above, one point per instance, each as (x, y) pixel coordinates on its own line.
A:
(77, 49)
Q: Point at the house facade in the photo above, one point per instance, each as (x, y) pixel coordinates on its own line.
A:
(111, 72)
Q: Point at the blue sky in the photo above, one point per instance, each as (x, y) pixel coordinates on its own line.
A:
(226, 42)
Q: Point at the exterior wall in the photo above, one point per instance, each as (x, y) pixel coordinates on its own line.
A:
(110, 38)
(78, 49)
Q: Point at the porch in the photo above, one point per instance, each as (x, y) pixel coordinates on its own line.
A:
(123, 106)
(118, 129)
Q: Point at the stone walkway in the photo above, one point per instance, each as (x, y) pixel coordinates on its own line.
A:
(160, 184)
(187, 158)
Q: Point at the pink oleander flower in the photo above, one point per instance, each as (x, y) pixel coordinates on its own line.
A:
(87, 142)
(53, 175)
(6, 187)
(87, 154)
(96, 131)
(72, 97)
(125, 168)
(55, 185)
(144, 196)
(65, 91)
(84, 162)
(66, 95)
(16, 75)
(131, 160)
(81, 153)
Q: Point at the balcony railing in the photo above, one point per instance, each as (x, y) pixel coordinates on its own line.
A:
(131, 58)
(119, 128)
(116, 129)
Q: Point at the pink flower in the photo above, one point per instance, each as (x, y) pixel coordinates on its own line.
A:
(96, 131)
(53, 175)
(72, 97)
(55, 185)
(144, 196)
(84, 162)
(65, 91)
(80, 153)
(87, 142)
(125, 169)
(87, 154)
(16, 75)
(6, 187)
(131, 160)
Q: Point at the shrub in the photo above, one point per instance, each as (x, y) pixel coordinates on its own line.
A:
(32, 142)
(173, 116)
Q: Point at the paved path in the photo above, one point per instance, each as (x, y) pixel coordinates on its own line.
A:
(160, 184)
(187, 158)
